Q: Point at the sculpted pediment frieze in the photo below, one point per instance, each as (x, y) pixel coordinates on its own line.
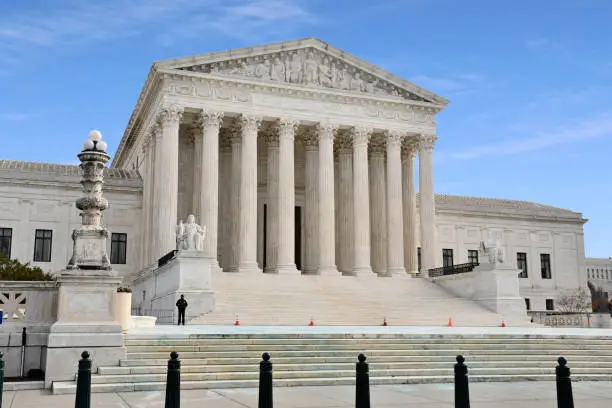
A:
(308, 67)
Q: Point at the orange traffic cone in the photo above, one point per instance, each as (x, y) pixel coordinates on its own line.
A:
(450, 322)
(311, 323)
(385, 322)
(237, 322)
(503, 324)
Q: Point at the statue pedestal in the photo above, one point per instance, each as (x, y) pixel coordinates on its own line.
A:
(493, 285)
(85, 321)
(189, 274)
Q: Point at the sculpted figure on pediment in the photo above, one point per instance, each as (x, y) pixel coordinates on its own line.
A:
(325, 73)
(295, 69)
(310, 70)
(357, 83)
(263, 69)
(278, 70)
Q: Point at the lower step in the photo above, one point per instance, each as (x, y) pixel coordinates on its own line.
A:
(70, 387)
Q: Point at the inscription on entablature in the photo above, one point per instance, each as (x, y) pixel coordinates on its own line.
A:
(205, 90)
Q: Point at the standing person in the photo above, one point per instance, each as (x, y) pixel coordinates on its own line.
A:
(181, 305)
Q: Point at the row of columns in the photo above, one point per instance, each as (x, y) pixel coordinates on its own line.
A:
(376, 208)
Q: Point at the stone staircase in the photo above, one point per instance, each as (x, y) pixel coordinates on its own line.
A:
(327, 357)
(270, 299)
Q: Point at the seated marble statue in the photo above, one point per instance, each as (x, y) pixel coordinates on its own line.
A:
(190, 236)
(495, 252)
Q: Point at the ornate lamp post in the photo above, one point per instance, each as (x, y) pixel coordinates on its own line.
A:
(89, 240)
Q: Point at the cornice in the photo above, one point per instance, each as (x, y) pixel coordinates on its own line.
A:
(483, 214)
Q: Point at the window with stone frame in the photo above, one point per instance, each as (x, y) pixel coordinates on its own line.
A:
(473, 256)
(43, 242)
(521, 264)
(118, 248)
(447, 257)
(528, 303)
(545, 266)
(550, 304)
(6, 241)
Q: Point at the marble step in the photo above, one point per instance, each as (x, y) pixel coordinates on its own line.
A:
(374, 367)
(69, 387)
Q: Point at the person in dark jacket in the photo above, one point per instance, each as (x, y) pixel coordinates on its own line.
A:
(181, 305)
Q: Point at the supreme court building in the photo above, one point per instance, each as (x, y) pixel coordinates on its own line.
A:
(297, 158)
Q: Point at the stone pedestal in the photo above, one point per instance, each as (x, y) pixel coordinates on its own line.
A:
(85, 321)
(189, 274)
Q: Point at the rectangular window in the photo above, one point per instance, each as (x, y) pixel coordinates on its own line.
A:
(42, 245)
(521, 264)
(118, 248)
(419, 257)
(447, 257)
(528, 303)
(472, 256)
(6, 239)
(550, 304)
(545, 263)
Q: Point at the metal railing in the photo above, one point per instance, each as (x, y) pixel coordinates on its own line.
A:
(560, 319)
(164, 316)
(452, 269)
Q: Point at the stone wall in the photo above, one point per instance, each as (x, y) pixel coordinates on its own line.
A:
(29, 305)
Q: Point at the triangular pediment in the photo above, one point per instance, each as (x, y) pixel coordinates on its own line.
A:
(308, 63)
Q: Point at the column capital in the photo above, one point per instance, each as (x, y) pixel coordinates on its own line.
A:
(271, 137)
(170, 114)
(326, 130)
(250, 123)
(427, 142)
(287, 127)
(394, 138)
(344, 142)
(309, 138)
(225, 138)
(210, 119)
(410, 146)
(361, 136)
(377, 144)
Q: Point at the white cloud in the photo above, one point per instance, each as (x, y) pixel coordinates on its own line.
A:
(14, 117)
(592, 128)
(73, 22)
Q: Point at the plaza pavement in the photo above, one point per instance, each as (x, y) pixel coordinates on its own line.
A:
(499, 395)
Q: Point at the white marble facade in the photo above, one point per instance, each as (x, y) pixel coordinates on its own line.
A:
(254, 139)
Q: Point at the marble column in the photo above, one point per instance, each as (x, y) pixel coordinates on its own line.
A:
(427, 204)
(344, 238)
(209, 178)
(409, 148)
(146, 200)
(361, 202)
(378, 206)
(167, 209)
(196, 134)
(234, 239)
(225, 195)
(286, 195)
(395, 219)
(271, 137)
(327, 249)
(311, 204)
(248, 195)
(156, 177)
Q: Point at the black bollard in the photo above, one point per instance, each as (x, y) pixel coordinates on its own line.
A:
(362, 389)
(462, 391)
(1, 377)
(265, 382)
(173, 382)
(565, 398)
(83, 386)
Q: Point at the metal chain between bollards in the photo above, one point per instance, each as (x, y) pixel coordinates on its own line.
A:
(173, 382)
(565, 397)
(362, 388)
(83, 386)
(462, 391)
(265, 382)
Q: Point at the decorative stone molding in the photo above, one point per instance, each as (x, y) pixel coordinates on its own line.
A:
(287, 128)
(326, 130)
(171, 114)
(211, 119)
(394, 137)
(427, 142)
(250, 123)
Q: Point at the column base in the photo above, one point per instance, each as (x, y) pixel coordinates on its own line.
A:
(328, 271)
(309, 271)
(288, 269)
(397, 270)
(269, 269)
(249, 267)
(363, 270)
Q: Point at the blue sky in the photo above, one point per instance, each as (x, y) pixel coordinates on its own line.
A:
(530, 82)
